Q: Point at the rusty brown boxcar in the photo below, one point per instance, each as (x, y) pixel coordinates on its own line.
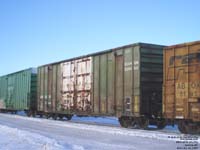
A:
(181, 88)
(125, 82)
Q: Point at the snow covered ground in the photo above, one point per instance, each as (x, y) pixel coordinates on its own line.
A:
(19, 132)
(13, 138)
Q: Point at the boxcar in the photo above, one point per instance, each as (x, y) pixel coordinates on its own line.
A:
(125, 82)
(18, 91)
(181, 96)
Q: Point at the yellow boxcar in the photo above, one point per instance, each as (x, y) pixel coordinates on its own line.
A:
(181, 88)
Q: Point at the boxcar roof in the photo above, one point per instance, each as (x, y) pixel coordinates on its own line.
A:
(17, 72)
(182, 45)
(153, 46)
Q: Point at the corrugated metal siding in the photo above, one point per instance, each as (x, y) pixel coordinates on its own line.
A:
(128, 80)
(119, 78)
(136, 81)
(181, 81)
(124, 84)
(111, 86)
(96, 83)
(77, 78)
(65, 87)
(151, 80)
(33, 92)
(49, 88)
(103, 84)
(17, 90)
(3, 92)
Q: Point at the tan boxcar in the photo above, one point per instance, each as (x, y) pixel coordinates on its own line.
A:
(125, 82)
(181, 88)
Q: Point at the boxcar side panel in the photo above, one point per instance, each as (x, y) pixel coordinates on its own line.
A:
(107, 83)
(16, 92)
(119, 81)
(136, 81)
(181, 82)
(76, 85)
(41, 89)
(151, 80)
(111, 83)
(96, 82)
(3, 92)
(128, 83)
(103, 84)
(59, 91)
(193, 107)
(33, 92)
(54, 87)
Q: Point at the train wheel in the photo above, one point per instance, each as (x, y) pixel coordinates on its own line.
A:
(161, 124)
(143, 122)
(55, 116)
(183, 126)
(188, 127)
(29, 113)
(134, 123)
(14, 112)
(47, 116)
(60, 117)
(125, 122)
(33, 114)
(69, 117)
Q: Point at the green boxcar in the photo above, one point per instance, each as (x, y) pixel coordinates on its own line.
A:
(18, 91)
(127, 80)
(124, 81)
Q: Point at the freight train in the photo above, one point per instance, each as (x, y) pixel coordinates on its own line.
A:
(141, 84)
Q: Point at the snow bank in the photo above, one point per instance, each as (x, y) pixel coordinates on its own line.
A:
(13, 138)
(126, 132)
(159, 135)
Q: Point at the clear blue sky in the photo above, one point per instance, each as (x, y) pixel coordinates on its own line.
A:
(36, 32)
